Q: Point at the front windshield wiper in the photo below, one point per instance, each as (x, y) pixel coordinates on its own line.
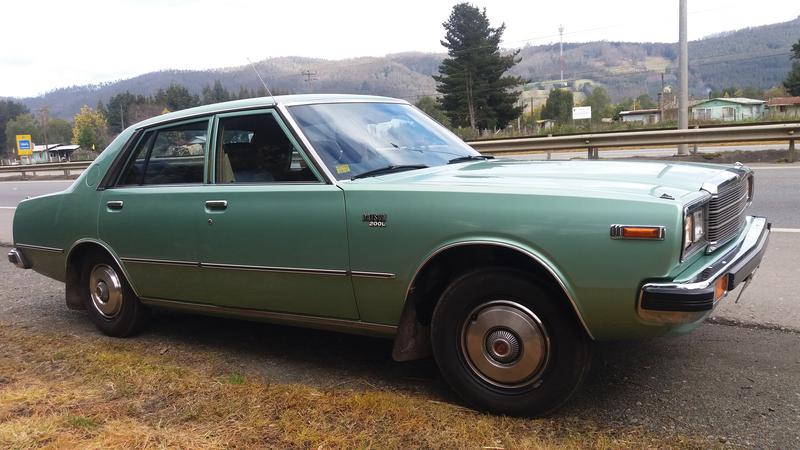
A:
(469, 158)
(389, 169)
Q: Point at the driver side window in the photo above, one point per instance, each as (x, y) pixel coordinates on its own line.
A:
(255, 149)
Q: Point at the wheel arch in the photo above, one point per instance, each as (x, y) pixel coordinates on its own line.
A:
(72, 269)
(412, 339)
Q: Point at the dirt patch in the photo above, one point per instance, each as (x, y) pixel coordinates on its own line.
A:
(69, 393)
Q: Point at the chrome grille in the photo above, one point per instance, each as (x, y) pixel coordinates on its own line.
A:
(726, 212)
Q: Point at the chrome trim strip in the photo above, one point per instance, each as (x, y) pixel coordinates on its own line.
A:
(41, 247)
(162, 262)
(323, 323)
(533, 256)
(335, 272)
(312, 153)
(616, 232)
(361, 274)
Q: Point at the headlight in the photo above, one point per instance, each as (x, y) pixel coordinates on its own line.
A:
(694, 229)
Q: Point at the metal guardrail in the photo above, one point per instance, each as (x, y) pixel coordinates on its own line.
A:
(593, 142)
(649, 138)
(25, 169)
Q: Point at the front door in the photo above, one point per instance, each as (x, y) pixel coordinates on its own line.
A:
(276, 238)
(152, 215)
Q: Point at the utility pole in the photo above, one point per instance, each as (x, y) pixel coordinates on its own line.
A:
(121, 119)
(561, 50)
(43, 113)
(309, 76)
(683, 67)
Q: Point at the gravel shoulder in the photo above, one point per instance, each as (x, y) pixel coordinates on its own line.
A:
(727, 384)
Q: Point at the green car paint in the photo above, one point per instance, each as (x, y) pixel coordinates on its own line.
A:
(306, 249)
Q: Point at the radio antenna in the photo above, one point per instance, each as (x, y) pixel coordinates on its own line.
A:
(261, 79)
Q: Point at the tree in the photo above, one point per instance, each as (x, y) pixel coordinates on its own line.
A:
(22, 124)
(118, 107)
(59, 131)
(90, 129)
(600, 102)
(176, 97)
(792, 82)
(475, 90)
(644, 101)
(215, 94)
(558, 106)
(430, 107)
(9, 110)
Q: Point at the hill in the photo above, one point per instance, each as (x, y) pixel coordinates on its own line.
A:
(757, 56)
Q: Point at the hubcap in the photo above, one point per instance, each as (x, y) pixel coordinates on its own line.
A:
(505, 344)
(105, 289)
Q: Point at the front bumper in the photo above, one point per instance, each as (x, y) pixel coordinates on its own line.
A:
(679, 303)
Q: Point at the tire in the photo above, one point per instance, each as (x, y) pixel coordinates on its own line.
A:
(508, 344)
(110, 301)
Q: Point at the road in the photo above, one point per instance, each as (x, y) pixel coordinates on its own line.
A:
(735, 382)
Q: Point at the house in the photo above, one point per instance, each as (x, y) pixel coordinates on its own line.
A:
(784, 107)
(645, 116)
(728, 109)
(52, 153)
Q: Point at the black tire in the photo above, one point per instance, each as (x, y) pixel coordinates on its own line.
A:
(470, 319)
(124, 314)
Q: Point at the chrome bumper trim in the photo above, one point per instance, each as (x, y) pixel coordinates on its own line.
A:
(697, 295)
(18, 259)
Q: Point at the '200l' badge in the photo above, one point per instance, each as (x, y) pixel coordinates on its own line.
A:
(374, 220)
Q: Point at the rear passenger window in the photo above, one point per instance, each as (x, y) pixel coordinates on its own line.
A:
(173, 155)
(255, 149)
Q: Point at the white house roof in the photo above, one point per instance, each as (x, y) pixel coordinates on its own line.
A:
(739, 100)
(639, 111)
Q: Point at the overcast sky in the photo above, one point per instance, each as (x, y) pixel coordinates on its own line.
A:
(49, 44)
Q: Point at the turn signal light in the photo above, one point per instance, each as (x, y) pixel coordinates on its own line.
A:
(720, 288)
(642, 232)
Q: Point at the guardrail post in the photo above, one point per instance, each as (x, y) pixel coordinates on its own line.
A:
(594, 153)
(66, 173)
(23, 175)
(791, 155)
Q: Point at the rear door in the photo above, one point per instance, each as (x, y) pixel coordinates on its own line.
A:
(276, 237)
(153, 215)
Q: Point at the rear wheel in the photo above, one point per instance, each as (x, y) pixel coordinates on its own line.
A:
(507, 344)
(110, 301)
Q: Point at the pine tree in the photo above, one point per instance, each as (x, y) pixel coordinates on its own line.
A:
(475, 90)
(558, 106)
(792, 82)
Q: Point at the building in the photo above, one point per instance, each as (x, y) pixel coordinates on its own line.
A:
(52, 153)
(728, 109)
(784, 107)
(645, 116)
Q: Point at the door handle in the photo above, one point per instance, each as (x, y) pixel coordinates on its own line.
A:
(216, 204)
(114, 204)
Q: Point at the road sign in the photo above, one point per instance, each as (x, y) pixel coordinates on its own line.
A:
(24, 145)
(581, 112)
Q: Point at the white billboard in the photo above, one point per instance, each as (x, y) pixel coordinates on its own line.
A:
(581, 112)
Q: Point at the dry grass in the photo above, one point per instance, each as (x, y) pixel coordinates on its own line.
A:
(61, 392)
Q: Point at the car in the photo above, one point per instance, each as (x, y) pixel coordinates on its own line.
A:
(363, 215)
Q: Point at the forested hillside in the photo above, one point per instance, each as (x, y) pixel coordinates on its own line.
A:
(757, 57)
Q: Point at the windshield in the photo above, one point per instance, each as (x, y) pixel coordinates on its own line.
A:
(356, 138)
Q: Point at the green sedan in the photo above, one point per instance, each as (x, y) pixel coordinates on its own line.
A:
(361, 214)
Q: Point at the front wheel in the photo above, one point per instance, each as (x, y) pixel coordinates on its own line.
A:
(110, 301)
(507, 344)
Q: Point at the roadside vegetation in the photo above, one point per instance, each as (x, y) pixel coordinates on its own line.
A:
(60, 391)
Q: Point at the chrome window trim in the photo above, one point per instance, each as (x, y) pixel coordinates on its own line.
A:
(40, 247)
(323, 323)
(616, 232)
(312, 152)
(527, 253)
(344, 100)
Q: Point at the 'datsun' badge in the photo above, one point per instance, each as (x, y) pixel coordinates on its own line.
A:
(374, 220)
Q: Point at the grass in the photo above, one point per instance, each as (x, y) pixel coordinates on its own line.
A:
(60, 391)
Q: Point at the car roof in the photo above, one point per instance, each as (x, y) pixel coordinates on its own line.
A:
(252, 103)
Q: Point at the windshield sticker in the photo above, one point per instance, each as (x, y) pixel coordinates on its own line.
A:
(342, 168)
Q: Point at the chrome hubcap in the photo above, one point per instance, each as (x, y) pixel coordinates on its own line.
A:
(505, 344)
(105, 289)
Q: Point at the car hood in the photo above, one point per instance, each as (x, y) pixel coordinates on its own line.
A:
(616, 178)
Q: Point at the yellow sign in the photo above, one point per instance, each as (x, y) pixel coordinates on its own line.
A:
(24, 145)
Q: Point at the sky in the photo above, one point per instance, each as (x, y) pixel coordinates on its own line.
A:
(47, 44)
